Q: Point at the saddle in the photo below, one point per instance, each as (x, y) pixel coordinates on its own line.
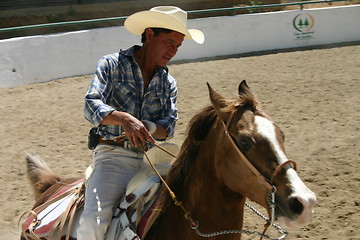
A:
(132, 217)
(137, 210)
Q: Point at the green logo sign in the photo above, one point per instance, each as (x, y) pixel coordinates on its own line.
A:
(303, 24)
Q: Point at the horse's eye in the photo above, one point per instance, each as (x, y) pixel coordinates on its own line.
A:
(245, 144)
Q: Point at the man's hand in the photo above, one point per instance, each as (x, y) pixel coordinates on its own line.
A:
(136, 132)
(134, 129)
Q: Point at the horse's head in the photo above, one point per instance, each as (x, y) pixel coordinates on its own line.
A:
(255, 159)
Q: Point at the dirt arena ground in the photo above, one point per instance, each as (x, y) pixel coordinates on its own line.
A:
(312, 94)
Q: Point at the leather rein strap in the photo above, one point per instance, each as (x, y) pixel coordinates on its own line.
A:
(178, 203)
(260, 177)
(268, 184)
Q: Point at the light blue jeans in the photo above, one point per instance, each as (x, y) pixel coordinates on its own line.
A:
(113, 167)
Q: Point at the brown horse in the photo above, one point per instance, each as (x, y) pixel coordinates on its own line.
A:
(233, 151)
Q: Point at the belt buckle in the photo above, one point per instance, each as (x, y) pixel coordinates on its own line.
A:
(127, 145)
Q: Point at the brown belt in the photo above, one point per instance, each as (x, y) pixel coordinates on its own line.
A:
(123, 144)
(112, 142)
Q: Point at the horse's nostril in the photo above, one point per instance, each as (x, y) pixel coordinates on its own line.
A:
(296, 206)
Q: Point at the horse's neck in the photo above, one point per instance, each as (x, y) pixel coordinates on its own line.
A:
(208, 201)
(214, 209)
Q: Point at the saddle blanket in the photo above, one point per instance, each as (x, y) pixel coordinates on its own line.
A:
(132, 218)
(45, 217)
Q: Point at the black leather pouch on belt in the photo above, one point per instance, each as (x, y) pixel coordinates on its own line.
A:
(93, 138)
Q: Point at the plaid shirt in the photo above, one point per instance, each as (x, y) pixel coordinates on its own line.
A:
(117, 84)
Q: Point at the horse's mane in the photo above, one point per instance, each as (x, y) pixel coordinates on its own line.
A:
(197, 130)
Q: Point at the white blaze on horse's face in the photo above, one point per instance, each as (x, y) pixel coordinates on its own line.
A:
(301, 194)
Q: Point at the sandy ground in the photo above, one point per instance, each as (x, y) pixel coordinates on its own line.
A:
(312, 94)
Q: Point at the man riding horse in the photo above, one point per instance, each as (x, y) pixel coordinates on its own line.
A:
(131, 94)
(233, 151)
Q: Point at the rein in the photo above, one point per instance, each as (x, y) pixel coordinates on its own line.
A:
(268, 184)
(187, 214)
(259, 176)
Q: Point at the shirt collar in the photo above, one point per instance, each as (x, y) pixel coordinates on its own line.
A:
(130, 53)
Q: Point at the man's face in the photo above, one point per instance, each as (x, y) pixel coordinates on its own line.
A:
(164, 46)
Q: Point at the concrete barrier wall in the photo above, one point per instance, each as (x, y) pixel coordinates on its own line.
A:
(42, 58)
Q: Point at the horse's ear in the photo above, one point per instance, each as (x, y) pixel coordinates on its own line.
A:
(244, 89)
(245, 93)
(217, 100)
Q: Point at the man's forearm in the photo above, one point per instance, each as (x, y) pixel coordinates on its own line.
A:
(160, 132)
(114, 118)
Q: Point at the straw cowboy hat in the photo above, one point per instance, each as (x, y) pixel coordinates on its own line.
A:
(168, 17)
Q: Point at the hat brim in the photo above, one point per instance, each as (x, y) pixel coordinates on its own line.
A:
(138, 22)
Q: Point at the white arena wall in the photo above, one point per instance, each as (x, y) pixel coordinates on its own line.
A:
(34, 59)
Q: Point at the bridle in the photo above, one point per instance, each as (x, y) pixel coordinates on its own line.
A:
(260, 177)
(268, 184)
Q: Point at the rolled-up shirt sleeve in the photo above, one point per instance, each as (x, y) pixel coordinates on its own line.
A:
(117, 85)
(96, 109)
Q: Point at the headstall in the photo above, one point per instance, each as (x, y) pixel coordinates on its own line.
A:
(268, 184)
